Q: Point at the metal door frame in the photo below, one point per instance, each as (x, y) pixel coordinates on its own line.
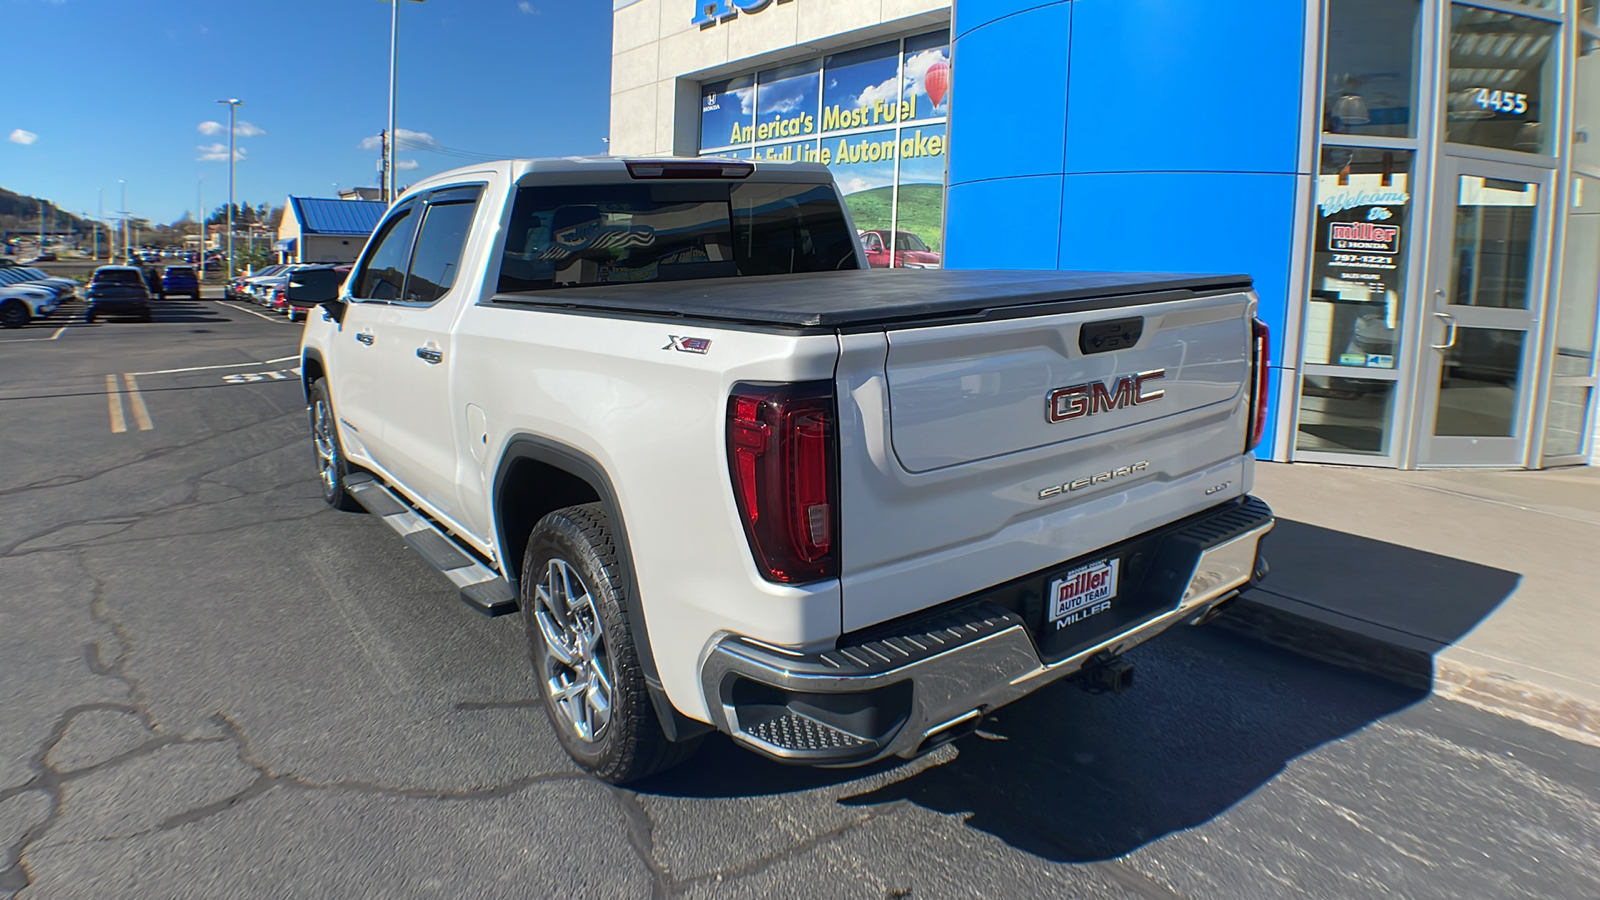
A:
(1441, 318)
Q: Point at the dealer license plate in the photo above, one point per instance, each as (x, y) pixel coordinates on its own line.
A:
(1083, 592)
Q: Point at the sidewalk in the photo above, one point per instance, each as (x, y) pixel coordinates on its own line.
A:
(1481, 585)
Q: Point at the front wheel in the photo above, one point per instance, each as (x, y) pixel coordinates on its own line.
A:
(583, 652)
(332, 469)
(14, 314)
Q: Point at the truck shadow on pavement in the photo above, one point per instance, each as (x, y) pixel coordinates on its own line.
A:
(1215, 715)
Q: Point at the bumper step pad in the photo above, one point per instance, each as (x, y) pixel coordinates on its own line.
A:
(481, 587)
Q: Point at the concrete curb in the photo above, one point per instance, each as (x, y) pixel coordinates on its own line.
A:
(1407, 659)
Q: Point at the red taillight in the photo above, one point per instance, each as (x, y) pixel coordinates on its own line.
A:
(783, 460)
(1260, 375)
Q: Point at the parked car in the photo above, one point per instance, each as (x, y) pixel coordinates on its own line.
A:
(909, 250)
(733, 482)
(62, 289)
(21, 303)
(180, 280)
(43, 257)
(118, 291)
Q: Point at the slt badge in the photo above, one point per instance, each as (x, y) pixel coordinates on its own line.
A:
(688, 344)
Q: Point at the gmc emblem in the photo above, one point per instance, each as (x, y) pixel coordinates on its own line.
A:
(1081, 400)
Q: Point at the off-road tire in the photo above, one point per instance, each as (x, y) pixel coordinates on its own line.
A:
(632, 744)
(14, 314)
(332, 467)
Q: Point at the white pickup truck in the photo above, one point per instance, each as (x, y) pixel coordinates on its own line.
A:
(733, 479)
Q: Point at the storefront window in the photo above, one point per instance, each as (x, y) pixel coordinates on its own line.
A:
(1345, 415)
(876, 115)
(925, 86)
(786, 101)
(1502, 88)
(1580, 280)
(1370, 85)
(1586, 104)
(727, 111)
(1358, 259)
(1564, 418)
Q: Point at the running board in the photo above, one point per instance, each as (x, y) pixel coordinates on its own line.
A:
(481, 587)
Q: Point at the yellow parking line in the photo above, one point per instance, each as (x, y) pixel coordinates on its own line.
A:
(141, 415)
(114, 397)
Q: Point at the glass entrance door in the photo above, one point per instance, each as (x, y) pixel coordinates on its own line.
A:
(1481, 334)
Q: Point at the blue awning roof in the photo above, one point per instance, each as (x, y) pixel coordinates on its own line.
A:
(319, 216)
(285, 246)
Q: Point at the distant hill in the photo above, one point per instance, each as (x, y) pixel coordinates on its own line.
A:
(19, 212)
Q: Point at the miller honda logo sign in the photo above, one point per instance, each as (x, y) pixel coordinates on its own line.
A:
(710, 12)
(1366, 237)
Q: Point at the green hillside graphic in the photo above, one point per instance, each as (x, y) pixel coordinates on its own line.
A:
(921, 210)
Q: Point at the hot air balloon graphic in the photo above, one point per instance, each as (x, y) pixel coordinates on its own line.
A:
(936, 82)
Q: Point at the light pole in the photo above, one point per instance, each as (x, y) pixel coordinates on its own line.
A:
(97, 223)
(200, 217)
(124, 214)
(388, 150)
(233, 106)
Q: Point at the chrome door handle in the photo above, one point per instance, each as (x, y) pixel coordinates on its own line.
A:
(430, 356)
(365, 337)
(1450, 322)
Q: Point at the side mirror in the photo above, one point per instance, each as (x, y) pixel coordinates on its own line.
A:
(333, 309)
(311, 289)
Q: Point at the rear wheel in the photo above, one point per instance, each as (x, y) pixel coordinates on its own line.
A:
(14, 314)
(583, 652)
(332, 469)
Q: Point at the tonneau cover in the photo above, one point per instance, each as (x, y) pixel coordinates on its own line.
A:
(867, 297)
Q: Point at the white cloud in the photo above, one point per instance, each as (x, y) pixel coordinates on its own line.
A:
(415, 140)
(218, 153)
(888, 92)
(405, 165)
(856, 185)
(242, 129)
(22, 137)
(528, 9)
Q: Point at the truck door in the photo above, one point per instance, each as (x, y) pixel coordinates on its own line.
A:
(358, 380)
(422, 429)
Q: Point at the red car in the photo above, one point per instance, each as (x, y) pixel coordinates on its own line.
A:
(909, 250)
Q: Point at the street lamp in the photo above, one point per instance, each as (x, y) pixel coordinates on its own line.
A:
(388, 150)
(233, 106)
(124, 212)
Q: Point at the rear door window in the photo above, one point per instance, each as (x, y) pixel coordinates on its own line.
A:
(436, 262)
(382, 273)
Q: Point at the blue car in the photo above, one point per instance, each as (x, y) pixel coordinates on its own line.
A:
(180, 280)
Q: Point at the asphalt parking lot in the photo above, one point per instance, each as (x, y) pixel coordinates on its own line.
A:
(211, 685)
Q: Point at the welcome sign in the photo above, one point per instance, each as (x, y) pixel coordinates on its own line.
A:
(710, 12)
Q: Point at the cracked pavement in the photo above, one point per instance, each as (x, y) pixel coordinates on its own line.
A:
(213, 686)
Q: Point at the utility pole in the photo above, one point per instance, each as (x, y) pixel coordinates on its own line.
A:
(383, 169)
(41, 229)
(394, 43)
(97, 223)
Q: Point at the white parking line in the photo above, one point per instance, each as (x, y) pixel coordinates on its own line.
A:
(114, 397)
(254, 313)
(268, 362)
(141, 415)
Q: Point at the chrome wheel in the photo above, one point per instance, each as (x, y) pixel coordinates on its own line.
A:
(327, 451)
(577, 668)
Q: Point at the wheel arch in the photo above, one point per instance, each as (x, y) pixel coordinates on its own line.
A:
(311, 368)
(536, 476)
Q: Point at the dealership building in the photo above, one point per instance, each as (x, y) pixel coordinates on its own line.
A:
(1414, 185)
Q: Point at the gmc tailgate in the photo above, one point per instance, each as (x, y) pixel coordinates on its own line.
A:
(981, 450)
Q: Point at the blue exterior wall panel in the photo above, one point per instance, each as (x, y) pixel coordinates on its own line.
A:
(1175, 146)
(1185, 85)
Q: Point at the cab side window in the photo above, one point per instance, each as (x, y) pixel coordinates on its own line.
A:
(383, 272)
(440, 242)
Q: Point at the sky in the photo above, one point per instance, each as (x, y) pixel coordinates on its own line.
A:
(102, 90)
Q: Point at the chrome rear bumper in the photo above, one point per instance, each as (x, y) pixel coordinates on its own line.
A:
(907, 692)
